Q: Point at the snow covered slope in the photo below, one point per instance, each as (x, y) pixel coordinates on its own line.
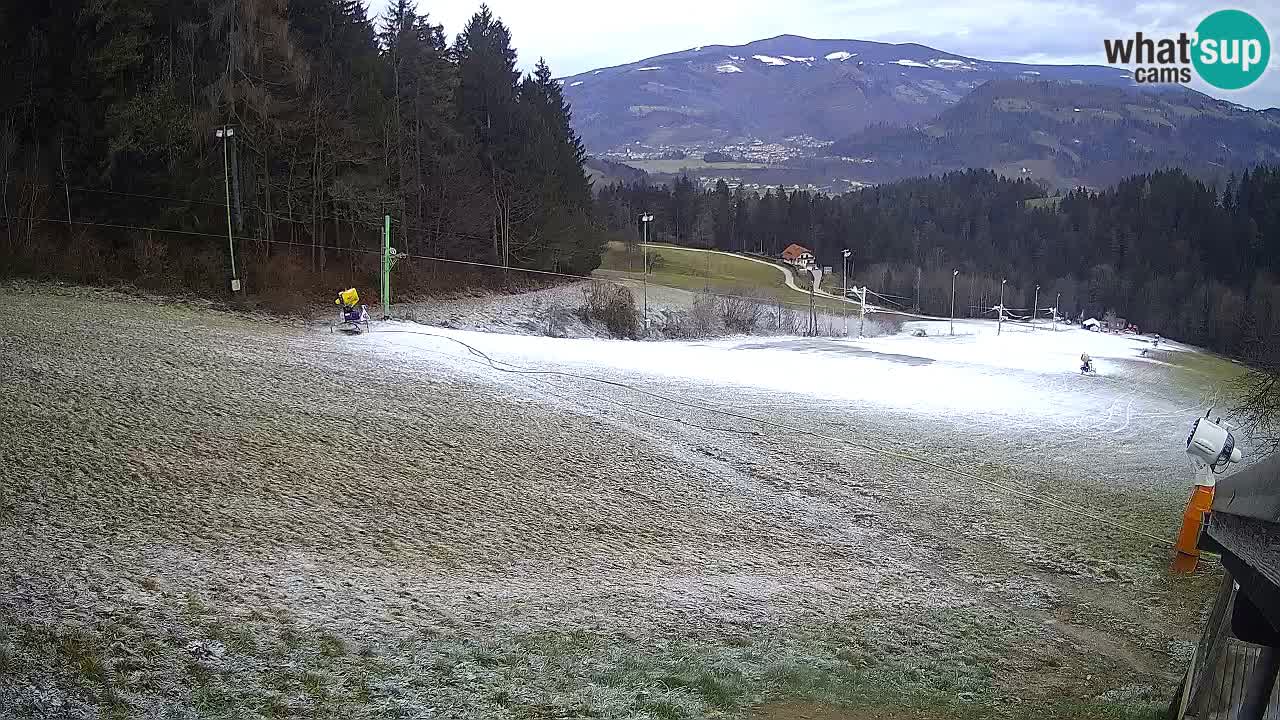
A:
(1022, 372)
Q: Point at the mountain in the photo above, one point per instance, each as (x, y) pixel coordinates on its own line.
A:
(789, 92)
(1067, 134)
(839, 114)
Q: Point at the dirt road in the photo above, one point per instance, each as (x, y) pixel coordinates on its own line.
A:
(209, 515)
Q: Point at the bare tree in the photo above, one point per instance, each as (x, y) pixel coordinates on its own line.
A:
(1256, 411)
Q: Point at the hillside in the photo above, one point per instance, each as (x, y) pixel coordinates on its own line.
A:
(1068, 134)
(603, 172)
(774, 98)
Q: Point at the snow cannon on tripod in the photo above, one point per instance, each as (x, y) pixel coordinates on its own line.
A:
(1212, 447)
(1211, 443)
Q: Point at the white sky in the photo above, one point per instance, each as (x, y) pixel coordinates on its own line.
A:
(579, 35)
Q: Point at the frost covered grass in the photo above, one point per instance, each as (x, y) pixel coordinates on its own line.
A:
(210, 515)
(276, 670)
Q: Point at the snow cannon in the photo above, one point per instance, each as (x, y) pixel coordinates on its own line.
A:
(1212, 443)
(1211, 446)
(348, 298)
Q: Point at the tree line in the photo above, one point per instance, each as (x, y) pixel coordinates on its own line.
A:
(1163, 250)
(112, 164)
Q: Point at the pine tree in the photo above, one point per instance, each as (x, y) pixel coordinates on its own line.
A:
(488, 111)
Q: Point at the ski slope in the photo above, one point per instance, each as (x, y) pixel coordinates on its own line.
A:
(1022, 371)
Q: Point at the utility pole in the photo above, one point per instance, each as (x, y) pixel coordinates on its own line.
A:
(954, 273)
(66, 184)
(226, 132)
(645, 219)
(844, 289)
(844, 281)
(1055, 312)
(1035, 306)
(862, 310)
(235, 189)
(1000, 308)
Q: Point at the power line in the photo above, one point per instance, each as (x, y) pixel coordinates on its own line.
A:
(370, 251)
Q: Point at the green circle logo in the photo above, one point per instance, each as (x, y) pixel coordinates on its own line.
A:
(1232, 49)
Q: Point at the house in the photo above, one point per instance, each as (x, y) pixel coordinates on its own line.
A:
(797, 255)
(1117, 324)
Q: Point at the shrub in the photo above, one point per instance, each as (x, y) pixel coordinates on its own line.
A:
(612, 305)
(740, 313)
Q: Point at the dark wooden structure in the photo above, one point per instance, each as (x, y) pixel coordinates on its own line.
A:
(1233, 672)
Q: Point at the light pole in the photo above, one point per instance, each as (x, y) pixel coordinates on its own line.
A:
(844, 281)
(1000, 309)
(1055, 312)
(862, 310)
(844, 288)
(954, 273)
(1035, 306)
(645, 219)
(226, 132)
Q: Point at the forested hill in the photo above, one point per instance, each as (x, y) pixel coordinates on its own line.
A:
(1071, 134)
(111, 112)
(1163, 250)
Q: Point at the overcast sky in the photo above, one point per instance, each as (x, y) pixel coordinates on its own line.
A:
(579, 35)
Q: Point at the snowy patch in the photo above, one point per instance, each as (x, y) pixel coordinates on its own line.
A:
(597, 72)
(1024, 72)
(839, 55)
(697, 49)
(727, 68)
(734, 57)
(949, 64)
(769, 60)
(909, 63)
(643, 69)
(1024, 372)
(793, 58)
(576, 84)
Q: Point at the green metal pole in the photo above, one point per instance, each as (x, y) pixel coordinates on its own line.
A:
(386, 267)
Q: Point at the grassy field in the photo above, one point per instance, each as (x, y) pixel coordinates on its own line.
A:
(696, 271)
(222, 516)
(1044, 203)
(691, 270)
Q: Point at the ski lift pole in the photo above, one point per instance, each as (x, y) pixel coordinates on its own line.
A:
(388, 261)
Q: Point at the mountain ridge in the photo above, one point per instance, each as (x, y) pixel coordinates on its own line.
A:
(786, 108)
(828, 88)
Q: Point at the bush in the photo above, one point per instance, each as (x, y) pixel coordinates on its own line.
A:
(612, 305)
(782, 320)
(702, 320)
(740, 313)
